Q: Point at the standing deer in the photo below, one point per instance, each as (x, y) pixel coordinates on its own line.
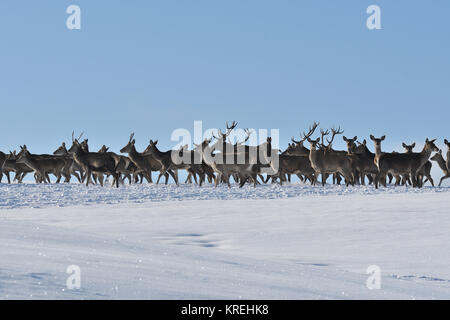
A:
(425, 171)
(442, 164)
(367, 165)
(326, 162)
(401, 163)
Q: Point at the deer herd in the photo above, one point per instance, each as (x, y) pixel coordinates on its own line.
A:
(217, 160)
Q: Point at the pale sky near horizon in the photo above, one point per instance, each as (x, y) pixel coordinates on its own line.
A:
(150, 67)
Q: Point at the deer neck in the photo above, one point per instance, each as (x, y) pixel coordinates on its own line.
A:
(378, 149)
(442, 164)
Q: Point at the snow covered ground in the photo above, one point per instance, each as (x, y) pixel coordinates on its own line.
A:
(272, 242)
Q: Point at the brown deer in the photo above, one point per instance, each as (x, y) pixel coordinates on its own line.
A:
(73, 168)
(327, 161)
(442, 164)
(145, 164)
(401, 163)
(93, 161)
(448, 154)
(367, 165)
(2, 161)
(10, 165)
(42, 165)
(164, 159)
(425, 171)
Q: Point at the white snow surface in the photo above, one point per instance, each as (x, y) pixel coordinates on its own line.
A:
(269, 242)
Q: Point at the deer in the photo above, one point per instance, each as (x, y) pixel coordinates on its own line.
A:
(10, 165)
(367, 165)
(225, 170)
(425, 171)
(2, 161)
(401, 163)
(42, 165)
(327, 161)
(73, 168)
(93, 161)
(123, 164)
(448, 153)
(145, 164)
(442, 164)
(164, 159)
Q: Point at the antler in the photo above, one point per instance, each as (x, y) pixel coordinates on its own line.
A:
(80, 136)
(311, 131)
(323, 134)
(229, 129)
(334, 132)
(248, 133)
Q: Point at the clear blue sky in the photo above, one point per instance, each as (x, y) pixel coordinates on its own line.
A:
(153, 66)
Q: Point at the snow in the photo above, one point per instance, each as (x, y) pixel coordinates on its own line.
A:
(270, 242)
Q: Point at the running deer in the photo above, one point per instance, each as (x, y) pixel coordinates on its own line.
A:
(10, 165)
(73, 168)
(93, 161)
(42, 165)
(401, 163)
(145, 164)
(164, 159)
(442, 164)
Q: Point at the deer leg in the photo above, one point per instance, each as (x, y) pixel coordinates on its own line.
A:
(324, 178)
(88, 178)
(159, 177)
(443, 178)
(174, 175)
(8, 177)
(188, 178)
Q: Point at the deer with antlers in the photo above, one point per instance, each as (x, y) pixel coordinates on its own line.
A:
(326, 161)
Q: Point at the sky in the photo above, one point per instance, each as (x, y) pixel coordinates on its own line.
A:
(150, 67)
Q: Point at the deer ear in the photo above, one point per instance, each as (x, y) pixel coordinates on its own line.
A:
(372, 137)
(64, 144)
(404, 145)
(382, 138)
(445, 141)
(156, 142)
(355, 138)
(345, 138)
(413, 145)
